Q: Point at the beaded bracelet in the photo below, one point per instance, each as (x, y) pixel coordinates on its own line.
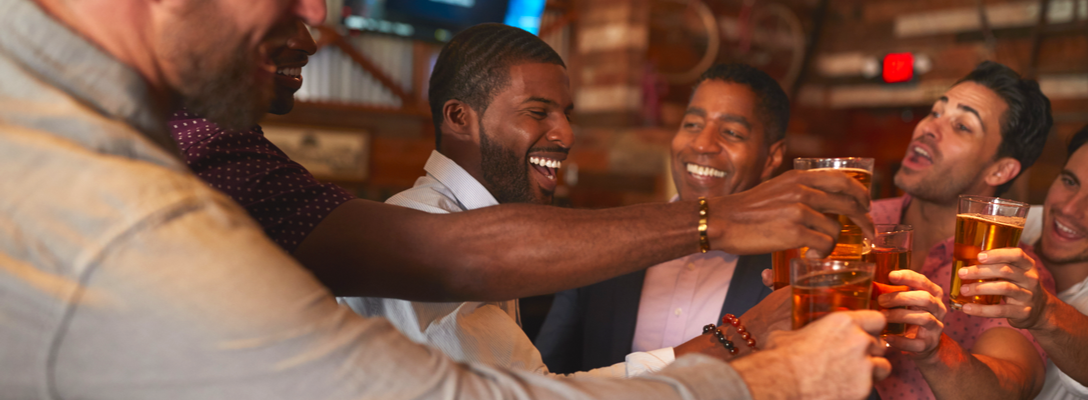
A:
(721, 338)
(730, 319)
(704, 214)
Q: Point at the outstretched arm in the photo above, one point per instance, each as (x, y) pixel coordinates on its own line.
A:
(365, 248)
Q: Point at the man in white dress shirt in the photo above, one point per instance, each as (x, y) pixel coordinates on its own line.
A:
(501, 148)
(1057, 321)
(732, 137)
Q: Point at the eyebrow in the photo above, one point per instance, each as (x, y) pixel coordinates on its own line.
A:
(697, 111)
(547, 101)
(970, 110)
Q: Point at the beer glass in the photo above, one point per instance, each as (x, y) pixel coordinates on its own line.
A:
(983, 223)
(851, 244)
(821, 287)
(891, 251)
(780, 265)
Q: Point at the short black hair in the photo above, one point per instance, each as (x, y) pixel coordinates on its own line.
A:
(773, 108)
(1078, 140)
(476, 63)
(1027, 121)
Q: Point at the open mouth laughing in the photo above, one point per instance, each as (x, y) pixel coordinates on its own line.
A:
(547, 170)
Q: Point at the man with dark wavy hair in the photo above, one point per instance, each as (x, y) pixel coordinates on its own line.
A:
(978, 137)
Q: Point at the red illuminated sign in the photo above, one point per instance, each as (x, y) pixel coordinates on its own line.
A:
(898, 67)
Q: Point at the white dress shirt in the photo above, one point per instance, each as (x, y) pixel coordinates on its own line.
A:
(680, 296)
(488, 333)
(1060, 386)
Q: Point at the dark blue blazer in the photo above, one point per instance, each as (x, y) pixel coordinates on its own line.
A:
(594, 326)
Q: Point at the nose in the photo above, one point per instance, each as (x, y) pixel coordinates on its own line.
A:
(1076, 206)
(302, 40)
(311, 11)
(562, 135)
(705, 142)
(928, 127)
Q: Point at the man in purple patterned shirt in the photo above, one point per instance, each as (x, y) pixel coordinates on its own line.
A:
(277, 192)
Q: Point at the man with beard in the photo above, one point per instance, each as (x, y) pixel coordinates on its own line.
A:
(732, 138)
(1058, 321)
(502, 144)
(979, 136)
(124, 276)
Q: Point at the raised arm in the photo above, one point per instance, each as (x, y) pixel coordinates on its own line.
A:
(1058, 327)
(365, 248)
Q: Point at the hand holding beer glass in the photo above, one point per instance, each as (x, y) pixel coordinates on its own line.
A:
(983, 223)
(891, 252)
(821, 287)
(851, 243)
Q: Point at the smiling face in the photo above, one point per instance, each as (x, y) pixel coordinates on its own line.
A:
(721, 147)
(214, 58)
(525, 134)
(954, 147)
(290, 46)
(1065, 219)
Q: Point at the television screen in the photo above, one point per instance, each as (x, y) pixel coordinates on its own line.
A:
(439, 20)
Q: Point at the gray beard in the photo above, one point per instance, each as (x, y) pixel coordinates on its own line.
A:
(228, 97)
(505, 172)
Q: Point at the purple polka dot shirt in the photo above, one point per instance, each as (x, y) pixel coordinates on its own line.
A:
(279, 193)
(906, 381)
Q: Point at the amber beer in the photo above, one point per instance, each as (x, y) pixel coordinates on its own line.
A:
(886, 261)
(780, 265)
(821, 287)
(851, 244)
(976, 233)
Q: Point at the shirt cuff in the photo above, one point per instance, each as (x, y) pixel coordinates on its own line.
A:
(644, 362)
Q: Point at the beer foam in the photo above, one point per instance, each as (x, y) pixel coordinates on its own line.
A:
(1015, 222)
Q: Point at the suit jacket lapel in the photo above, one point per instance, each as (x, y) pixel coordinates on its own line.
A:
(746, 288)
(628, 292)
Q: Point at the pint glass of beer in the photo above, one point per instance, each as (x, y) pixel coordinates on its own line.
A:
(983, 223)
(891, 251)
(821, 287)
(852, 244)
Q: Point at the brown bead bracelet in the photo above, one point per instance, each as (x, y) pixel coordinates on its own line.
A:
(730, 319)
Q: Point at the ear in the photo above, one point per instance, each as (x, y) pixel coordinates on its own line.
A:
(774, 159)
(459, 121)
(1003, 170)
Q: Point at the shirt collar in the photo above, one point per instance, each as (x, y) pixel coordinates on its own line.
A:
(63, 59)
(469, 192)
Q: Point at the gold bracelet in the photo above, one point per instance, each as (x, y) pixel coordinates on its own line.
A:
(704, 211)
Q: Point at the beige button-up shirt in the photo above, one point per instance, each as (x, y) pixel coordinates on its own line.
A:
(123, 276)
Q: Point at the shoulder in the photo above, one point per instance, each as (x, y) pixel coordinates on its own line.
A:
(427, 195)
(76, 201)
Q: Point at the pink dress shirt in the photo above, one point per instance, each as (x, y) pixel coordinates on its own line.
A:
(906, 381)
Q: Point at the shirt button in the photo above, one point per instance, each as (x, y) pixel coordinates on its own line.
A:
(678, 311)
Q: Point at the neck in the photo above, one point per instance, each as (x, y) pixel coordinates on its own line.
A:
(933, 223)
(1067, 274)
(120, 29)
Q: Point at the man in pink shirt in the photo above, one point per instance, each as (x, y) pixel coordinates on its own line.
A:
(979, 136)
